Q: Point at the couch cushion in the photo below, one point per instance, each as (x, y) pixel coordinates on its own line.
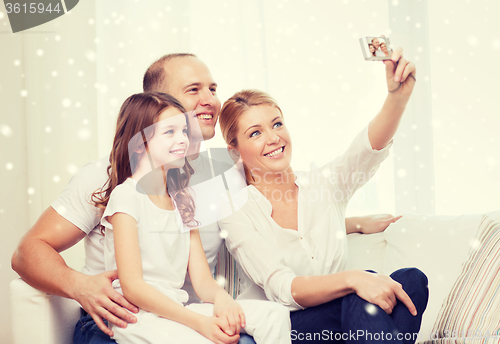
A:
(437, 245)
(41, 318)
(366, 252)
(471, 312)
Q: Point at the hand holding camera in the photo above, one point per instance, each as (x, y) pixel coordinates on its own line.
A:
(398, 69)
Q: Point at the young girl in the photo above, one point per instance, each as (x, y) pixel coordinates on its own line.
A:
(150, 237)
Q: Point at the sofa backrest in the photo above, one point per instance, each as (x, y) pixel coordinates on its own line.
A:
(438, 245)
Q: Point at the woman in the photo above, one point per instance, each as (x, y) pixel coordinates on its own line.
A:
(371, 48)
(292, 243)
(384, 49)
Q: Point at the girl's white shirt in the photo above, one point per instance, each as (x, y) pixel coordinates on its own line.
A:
(273, 256)
(74, 204)
(163, 240)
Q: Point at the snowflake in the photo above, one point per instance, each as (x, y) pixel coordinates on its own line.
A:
(371, 309)
(90, 55)
(495, 44)
(84, 134)
(6, 130)
(71, 168)
(472, 40)
(221, 281)
(66, 102)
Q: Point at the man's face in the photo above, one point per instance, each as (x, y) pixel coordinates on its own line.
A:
(190, 81)
(376, 43)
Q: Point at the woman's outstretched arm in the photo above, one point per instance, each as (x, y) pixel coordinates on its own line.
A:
(400, 75)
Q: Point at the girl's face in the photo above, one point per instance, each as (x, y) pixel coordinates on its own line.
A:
(170, 142)
(264, 142)
(372, 48)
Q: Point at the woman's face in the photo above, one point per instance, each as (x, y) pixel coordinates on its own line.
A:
(264, 142)
(170, 142)
(383, 47)
(372, 48)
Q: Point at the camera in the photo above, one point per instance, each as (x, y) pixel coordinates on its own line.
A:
(376, 48)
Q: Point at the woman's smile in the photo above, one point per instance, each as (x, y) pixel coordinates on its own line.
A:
(263, 140)
(276, 153)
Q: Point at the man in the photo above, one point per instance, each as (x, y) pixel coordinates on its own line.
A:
(71, 218)
(376, 44)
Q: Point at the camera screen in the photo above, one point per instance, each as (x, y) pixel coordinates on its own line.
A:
(376, 48)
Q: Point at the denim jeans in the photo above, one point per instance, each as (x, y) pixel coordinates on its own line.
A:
(350, 319)
(87, 332)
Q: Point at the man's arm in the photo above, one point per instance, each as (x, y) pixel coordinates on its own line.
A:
(369, 224)
(38, 262)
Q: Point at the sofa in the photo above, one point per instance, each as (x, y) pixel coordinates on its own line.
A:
(437, 245)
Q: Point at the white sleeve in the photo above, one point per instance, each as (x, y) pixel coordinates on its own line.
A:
(121, 200)
(356, 166)
(74, 203)
(260, 259)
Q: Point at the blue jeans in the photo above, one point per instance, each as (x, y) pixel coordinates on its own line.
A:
(350, 319)
(87, 332)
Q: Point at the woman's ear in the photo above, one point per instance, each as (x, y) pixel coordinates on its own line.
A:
(234, 154)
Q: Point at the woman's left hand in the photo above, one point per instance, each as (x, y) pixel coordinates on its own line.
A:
(400, 73)
(230, 311)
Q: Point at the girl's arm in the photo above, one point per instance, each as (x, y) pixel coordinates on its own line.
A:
(208, 290)
(143, 295)
(383, 127)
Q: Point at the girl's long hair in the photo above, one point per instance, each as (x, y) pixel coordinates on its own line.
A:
(137, 113)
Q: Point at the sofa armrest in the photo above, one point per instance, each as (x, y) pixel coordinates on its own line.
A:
(38, 317)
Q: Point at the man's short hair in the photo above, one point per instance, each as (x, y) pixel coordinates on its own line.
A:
(155, 78)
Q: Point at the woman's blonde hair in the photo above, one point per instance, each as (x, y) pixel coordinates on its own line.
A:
(234, 108)
(137, 113)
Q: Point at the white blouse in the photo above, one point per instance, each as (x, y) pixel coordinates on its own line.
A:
(273, 256)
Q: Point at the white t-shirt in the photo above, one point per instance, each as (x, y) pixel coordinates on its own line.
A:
(163, 240)
(74, 204)
(273, 256)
